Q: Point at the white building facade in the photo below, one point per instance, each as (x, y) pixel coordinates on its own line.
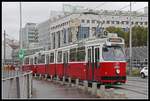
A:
(43, 34)
(29, 35)
(62, 30)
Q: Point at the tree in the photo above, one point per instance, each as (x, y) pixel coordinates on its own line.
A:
(139, 35)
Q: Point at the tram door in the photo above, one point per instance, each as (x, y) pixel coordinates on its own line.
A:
(47, 64)
(93, 55)
(65, 62)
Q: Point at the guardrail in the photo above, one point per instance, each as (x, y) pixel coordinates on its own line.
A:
(17, 85)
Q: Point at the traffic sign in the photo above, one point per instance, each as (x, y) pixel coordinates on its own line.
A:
(21, 54)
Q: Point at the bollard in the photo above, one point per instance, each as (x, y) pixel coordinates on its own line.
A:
(18, 87)
(77, 82)
(57, 78)
(63, 79)
(101, 92)
(69, 80)
(51, 77)
(45, 76)
(110, 93)
(94, 88)
(31, 86)
(35, 75)
(85, 86)
(102, 87)
(40, 76)
(28, 86)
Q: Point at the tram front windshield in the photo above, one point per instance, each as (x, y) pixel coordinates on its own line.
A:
(113, 53)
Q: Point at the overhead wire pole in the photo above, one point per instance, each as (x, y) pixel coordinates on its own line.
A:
(130, 69)
(20, 31)
(20, 27)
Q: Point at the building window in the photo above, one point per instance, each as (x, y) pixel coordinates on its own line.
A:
(93, 21)
(141, 23)
(136, 23)
(53, 36)
(64, 32)
(124, 29)
(108, 22)
(145, 23)
(83, 33)
(88, 21)
(117, 22)
(122, 22)
(58, 33)
(103, 22)
(83, 21)
(132, 23)
(67, 23)
(112, 22)
(69, 35)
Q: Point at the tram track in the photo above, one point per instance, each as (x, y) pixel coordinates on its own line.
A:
(127, 89)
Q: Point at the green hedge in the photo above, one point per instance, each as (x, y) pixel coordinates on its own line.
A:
(135, 72)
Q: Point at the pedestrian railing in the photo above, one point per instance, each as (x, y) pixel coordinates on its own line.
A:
(16, 84)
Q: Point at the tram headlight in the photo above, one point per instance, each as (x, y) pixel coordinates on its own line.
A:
(117, 71)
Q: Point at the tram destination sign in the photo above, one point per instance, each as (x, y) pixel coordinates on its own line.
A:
(115, 40)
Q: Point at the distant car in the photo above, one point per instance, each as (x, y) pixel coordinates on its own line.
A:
(144, 72)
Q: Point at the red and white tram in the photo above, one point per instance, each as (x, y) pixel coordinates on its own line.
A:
(97, 59)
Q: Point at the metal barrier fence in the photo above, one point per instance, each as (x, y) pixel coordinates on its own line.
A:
(17, 85)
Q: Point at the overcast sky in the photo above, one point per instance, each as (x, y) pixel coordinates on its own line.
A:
(40, 11)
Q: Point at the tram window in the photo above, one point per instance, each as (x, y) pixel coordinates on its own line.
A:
(81, 54)
(35, 60)
(27, 61)
(59, 56)
(89, 55)
(51, 57)
(73, 54)
(41, 59)
(31, 60)
(47, 58)
(96, 54)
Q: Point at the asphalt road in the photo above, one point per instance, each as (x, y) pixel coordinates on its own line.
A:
(135, 88)
(52, 90)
